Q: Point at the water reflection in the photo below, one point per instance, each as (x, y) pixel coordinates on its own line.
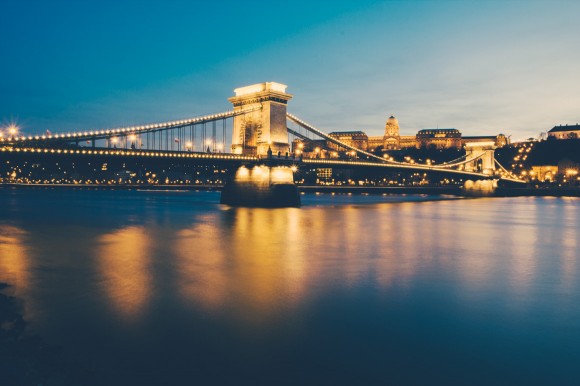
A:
(201, 287)
(124, 263)
(201, 265)
(14, 258)
(265, 259)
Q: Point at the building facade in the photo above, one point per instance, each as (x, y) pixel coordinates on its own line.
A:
(392, 140)
(357, 139)
(565, 132)
(439, 139)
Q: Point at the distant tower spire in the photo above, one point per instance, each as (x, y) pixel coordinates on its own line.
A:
(392, 136)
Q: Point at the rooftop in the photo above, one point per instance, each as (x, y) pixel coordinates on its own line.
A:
(556, 129)
(260, 87)
(438, 131)
(354, 132)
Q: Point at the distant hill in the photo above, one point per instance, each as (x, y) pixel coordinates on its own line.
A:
(552, 151)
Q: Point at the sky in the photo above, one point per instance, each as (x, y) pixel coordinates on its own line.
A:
(483, 67)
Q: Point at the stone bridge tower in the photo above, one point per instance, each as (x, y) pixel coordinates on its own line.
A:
(264, 127)
(485, 154)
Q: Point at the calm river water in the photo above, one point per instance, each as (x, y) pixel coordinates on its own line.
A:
(171, 288)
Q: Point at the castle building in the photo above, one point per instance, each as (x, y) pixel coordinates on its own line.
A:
(393, 140)
(357, 139)
(438, 138)
(565, 132)
(392, 137)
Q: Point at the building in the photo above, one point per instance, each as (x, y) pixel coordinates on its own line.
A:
(565, 132)
(544, 172)
(357, 139)
(407, 141)
(392, 136)
(393, 140)
(439, 139)
(375, 144)
(568, 168)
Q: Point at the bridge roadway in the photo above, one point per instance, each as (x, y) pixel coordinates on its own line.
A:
(246, 159)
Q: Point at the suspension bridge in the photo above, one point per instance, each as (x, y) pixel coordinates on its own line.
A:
(257, 131)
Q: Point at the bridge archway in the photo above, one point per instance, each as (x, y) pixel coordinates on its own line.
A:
(263, 127)
(482, 157)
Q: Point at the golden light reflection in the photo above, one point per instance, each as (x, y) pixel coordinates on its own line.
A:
(125, 264)
(255, 259)
(524, 264)
(202, 276)
(260, 242)
(14, 258)
(569, 246)
(262, 259)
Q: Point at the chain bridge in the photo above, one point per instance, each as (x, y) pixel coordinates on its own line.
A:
(257, 132)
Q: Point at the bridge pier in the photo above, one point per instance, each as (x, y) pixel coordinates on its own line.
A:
(480, 188)
(267, 186)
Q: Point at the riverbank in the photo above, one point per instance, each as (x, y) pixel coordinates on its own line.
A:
(375, 190)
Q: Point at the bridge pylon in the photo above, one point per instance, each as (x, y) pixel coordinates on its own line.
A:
(482, 156)
(263, 128)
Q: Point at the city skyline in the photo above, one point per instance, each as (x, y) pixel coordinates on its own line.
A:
(481, 68)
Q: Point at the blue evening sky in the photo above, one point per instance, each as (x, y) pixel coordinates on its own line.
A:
(483, 67)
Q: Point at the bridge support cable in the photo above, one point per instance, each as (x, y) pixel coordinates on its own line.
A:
(109, 134)
(466, 161)
(306, 139)
(447, 166)
(512, 175)
(224, 135)
(459, 159)
(320, 133)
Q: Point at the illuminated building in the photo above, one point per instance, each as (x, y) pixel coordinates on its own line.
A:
(393, 140)
(567, 167)
(356, 139)
(439, 138)
(544, 172)
(407, 141)
(390, 140)
(565, 132)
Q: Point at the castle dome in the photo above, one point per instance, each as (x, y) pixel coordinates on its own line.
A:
(393, 121)
(392, 127)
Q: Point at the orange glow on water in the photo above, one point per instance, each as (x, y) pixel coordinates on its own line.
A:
(14, 258)
(125, 266)
(202, 277)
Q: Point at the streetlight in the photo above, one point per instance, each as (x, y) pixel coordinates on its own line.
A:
(570, 173)
(13, 130)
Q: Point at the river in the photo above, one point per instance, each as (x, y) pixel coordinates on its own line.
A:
(170, 287)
